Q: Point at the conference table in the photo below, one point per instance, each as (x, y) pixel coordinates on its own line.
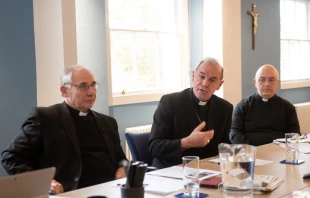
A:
(291, 174)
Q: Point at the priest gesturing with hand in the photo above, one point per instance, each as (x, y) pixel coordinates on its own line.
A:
(193, 121)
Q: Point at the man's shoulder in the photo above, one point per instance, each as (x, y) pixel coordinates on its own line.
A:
(246, 100)
(175, 95)
(51, 107)
(286, 102)
(102, 116)
(48, 109)
(45, 112)
(221, 101)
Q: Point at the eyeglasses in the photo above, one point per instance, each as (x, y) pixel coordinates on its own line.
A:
(85, 87)
(264, 80)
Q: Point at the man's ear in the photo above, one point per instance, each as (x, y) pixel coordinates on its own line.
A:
(63, 90)
(193, 75)
(222, 81)
(254, 81)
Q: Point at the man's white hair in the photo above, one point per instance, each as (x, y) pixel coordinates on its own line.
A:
(66, 76)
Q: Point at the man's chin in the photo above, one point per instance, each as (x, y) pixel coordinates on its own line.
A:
(267, 96)
(203, 98)
(89, 105)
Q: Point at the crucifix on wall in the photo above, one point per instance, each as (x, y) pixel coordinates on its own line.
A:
(254, 15)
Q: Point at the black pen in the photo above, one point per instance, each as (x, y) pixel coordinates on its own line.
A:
(131, 174)
(139, 176)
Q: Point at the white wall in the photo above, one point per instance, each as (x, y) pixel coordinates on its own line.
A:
(91, 45)
(232, 50)
(55, 46)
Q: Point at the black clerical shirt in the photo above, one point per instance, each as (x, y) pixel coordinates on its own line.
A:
(97, 166)
(203, 113)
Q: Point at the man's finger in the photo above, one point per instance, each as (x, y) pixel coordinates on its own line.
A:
(200, 126)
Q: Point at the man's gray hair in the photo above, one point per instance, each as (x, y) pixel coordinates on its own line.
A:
(66, 76)
(214, 62)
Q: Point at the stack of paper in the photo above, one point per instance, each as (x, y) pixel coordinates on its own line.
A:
(266, 182)
(261, 183)
(176, 172)
(167, 180)
(302, 139)
(258, 162)
(302, 147)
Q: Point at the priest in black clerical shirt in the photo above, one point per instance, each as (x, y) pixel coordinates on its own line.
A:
(193, 121)
(82, 144)
(263, 117)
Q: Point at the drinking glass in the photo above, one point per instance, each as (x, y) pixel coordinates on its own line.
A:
(291, 141)
(191, 176)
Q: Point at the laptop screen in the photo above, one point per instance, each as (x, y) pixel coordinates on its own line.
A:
(29, 184)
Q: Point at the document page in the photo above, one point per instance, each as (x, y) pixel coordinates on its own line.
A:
(156, 185)
(176, 172)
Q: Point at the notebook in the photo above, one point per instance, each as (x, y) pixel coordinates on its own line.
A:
(212, 182)
(30, 184)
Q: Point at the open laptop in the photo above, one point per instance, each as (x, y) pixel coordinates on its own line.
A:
(25, 185)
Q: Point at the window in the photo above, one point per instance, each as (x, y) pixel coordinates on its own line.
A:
(148, 48)
(295, 40)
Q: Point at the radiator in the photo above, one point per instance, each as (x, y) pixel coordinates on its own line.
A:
(303, 114)
(137, 129)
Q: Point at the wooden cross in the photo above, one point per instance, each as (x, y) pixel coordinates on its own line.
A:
(254, 15)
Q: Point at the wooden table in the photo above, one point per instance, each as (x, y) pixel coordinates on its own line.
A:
(292, 174)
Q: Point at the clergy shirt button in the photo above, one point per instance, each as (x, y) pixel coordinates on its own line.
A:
(76, 179)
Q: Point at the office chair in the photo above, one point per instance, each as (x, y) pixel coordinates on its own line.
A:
(138, 145)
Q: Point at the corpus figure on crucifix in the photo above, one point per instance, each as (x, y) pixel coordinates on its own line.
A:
(254, 15)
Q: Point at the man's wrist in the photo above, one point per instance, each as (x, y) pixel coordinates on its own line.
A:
(184, 144)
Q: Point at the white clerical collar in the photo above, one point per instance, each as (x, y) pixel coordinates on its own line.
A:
(265, 99)
(201, 103)
(82, 113)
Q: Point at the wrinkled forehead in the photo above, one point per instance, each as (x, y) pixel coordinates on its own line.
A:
(209, 69)
(267, 72)
(83, 76)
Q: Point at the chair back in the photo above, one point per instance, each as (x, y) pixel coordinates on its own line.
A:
(138, 145)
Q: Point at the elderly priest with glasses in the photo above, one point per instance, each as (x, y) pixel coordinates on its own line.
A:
(82, 144)
(263, 116)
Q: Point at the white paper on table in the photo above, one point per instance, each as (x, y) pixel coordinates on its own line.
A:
(156, 185)
(160, 185)
(303, 140)
(176, 172)
(304, 147)
(263, 178)
(258, 162)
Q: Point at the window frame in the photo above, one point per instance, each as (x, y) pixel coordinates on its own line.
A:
(150, 96)
(296, 83)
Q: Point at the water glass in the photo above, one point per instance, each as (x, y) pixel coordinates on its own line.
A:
(237, 163)
(191, 176)
(291, 141)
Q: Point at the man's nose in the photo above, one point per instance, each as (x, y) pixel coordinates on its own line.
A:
(205, 82)
(91, 90)
(267, 82)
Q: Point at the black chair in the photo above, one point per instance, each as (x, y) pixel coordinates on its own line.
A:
(138, 145)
